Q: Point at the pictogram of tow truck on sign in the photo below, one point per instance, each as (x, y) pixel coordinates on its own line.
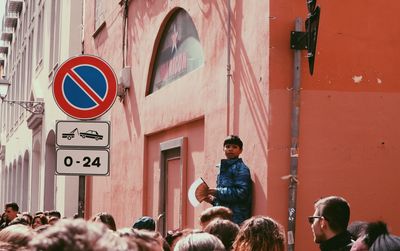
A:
(90, 134)
(82, 134)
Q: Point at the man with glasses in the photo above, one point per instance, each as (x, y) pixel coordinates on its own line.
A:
(329, 224)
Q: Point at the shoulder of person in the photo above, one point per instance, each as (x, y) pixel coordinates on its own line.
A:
(241, 163)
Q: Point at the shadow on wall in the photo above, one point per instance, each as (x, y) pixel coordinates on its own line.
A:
(139, 13)
(244, 76)
(259, 197)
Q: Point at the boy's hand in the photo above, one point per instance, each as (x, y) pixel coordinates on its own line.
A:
(209, 199)
(212, 191)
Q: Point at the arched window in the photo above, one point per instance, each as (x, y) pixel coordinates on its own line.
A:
(179, 51)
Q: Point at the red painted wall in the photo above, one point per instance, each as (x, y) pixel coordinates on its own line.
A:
(348, 125)
(348, 129)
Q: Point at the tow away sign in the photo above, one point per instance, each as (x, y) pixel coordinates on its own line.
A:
(82, 133)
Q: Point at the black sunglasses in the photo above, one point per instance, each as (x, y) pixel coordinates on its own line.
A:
(311, 218)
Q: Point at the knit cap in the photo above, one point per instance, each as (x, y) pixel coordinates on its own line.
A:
(145, 222)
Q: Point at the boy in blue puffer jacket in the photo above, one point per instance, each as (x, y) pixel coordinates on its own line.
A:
(233, 182)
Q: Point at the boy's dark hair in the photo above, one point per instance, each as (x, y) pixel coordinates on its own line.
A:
(233, 140)
(13, 205)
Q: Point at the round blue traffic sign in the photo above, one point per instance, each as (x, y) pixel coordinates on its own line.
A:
(85, 87)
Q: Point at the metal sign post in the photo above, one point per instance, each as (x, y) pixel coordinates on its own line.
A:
(84, 87)
(81, 197)
(294, 156)
(299, 40)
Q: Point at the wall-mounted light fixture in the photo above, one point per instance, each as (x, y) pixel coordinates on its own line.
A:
(36, 107)
(124, 82)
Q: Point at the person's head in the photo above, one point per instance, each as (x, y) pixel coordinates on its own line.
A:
(225, 230)
(199, 242)
(39, 212)
(28, 217)
(106, 219)
(17, 234)
(144, 239)
(217, 212)
(376, 234)
(233, 147)
(357, 229)
(260, 233)
(146, 223)
(331, 217)
(173, 236)
(386, 242)
(54, 213)
(11, 211)
(39, 220)
(79, 235)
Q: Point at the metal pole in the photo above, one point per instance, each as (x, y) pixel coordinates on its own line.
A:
(82, 179)
(81, 197)
(228, 68)
(294, 156)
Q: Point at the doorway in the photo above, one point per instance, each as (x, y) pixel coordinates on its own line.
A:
(173, 166)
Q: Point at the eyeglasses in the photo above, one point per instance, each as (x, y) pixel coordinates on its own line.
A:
(311, 218)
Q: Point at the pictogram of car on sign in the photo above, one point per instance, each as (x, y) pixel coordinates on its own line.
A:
(92, 134)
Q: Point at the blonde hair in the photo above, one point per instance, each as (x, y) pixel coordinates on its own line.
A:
(260, 233)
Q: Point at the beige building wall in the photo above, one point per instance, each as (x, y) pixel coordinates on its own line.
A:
(45, 34)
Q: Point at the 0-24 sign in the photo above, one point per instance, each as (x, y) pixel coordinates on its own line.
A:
(83, 162)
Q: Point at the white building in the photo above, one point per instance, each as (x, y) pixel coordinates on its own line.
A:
(37, 36)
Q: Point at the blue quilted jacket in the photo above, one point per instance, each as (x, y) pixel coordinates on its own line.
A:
(234, 188)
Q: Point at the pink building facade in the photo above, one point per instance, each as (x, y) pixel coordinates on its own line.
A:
(195, 80)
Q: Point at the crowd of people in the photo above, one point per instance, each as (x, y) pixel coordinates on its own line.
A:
(227, 225)
(48, 231)
(329, 225)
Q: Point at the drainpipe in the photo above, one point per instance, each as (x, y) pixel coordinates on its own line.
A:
(294, 154)
(83, 28)
(124, 31)
(228, 68)
(125, 71)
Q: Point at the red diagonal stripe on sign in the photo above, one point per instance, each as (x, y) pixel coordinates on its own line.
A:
(81, 83)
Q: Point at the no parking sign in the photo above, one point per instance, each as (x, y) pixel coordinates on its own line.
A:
(85, 87)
